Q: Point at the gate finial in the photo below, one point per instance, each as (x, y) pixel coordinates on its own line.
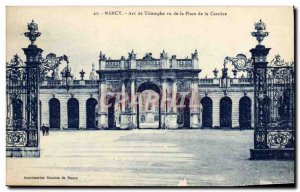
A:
(33, 33)
(260, 32)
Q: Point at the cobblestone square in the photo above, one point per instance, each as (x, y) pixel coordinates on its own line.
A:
(149, 158)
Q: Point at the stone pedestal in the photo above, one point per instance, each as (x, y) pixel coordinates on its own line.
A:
(194, 121)
(102, 121)
(23, 152)
(125, 120)
(276, 154)
(170, 120)
(135, 120)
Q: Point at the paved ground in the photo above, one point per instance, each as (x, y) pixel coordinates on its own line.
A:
(150, 157)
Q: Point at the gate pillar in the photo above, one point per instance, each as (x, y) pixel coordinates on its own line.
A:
(24, 141)
(270, 135)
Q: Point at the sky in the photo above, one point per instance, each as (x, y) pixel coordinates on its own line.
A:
(80, 34)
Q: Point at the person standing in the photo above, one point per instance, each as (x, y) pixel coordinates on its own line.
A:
(47, 130)
(43, 129)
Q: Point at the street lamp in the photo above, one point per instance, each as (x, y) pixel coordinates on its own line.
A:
(224, 78)
(66, 74)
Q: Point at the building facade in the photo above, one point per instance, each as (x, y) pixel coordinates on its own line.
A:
(163, 93)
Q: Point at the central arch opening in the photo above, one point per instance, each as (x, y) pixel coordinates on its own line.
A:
(225, 112)
(73, 113)
(148, 106)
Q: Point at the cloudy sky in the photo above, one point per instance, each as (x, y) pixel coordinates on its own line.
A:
(78, 33)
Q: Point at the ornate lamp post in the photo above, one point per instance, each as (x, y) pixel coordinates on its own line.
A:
(67, 76)
(224, 78)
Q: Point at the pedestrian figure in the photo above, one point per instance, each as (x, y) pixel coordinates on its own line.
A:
(47, 130)
(43, 129)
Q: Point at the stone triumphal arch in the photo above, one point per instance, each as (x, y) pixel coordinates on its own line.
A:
(148, 92)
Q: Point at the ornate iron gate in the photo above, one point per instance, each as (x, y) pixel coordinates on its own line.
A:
(22, 122)
(22, 96)
(274, 107)
(16, 95)
(22, 104)
(274, 103)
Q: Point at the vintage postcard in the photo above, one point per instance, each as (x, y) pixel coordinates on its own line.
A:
(150, 96)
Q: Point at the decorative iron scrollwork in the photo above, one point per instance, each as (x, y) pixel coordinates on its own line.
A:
(22, 81)
(16, 138)
(260, 140)
(277, 61)
(32, 138)
(278, 139)
(50, 64)
(274, 95)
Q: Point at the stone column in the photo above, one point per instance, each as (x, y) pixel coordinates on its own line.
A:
(172, 115)
(45, 113)
(82, 114)
(133, 104)
(194, 106)
(235, 109)
(123, 95)
(64, 111)
(169, 114)
(125, 113)
(163, 103)
(102, 105)
(200, 113)
(174, 95)
(216, 108)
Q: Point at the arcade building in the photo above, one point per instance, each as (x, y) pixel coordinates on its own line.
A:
(146, 93)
